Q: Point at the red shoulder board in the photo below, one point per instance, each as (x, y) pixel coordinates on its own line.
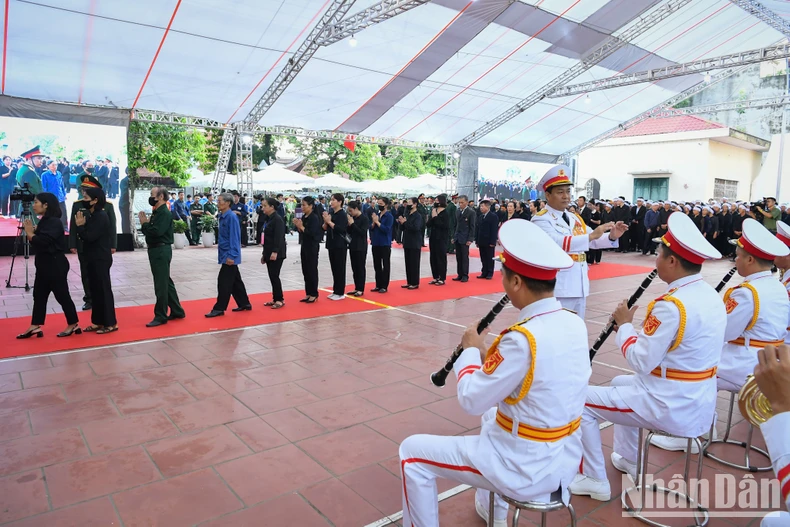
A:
(492, 362)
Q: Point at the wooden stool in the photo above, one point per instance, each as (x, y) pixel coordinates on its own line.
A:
(542, 507)
(726, 440)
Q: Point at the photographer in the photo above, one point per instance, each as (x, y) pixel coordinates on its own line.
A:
(52, 267)
(771, 215)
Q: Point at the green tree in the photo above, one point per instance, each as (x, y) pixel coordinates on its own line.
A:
(322, 155)
(364, 163)
(404, 162)
(166, 149)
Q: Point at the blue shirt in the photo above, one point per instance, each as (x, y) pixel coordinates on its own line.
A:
(229, 242)
(53, 183)
(651, 219)
(382, 236)
(203, 201)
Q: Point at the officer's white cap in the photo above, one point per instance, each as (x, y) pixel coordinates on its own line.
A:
(685, 240)
(783, 232)
(557, 175)
(758, 241)
(530, 252)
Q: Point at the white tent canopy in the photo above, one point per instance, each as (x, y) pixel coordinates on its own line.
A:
(278, 178)
(336, 183)
(434, 73)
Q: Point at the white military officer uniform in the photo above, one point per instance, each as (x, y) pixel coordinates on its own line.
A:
(783, 233)
(674, 356)
(530, 391)
(776, 432)
(569, 231)
(757, 309)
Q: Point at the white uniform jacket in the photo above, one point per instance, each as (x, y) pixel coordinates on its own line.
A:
(776, 432)
(675, 355)
(557, 355)
(757, 314)
(786, 282)
(574, 240)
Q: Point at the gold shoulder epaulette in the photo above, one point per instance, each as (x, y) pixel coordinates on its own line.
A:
(542, 212)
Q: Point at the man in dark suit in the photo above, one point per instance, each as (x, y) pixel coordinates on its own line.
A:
(584, 210)
(486, 239)
(114, 179)
(102, 172)
(637, 227)
(463, 236)
(622, 213)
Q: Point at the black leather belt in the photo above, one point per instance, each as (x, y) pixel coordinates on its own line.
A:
(155, 245)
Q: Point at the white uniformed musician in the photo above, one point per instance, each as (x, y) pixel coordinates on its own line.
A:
(570, 232)
(529, 387)
(773, 378)
(674, 355)
(783, 263)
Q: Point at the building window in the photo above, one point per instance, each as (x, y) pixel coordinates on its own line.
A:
(725, 188)
(651, 188)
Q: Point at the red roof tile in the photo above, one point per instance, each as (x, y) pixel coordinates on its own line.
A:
(669, 125)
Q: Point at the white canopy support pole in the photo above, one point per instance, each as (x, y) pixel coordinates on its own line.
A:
(223, 159)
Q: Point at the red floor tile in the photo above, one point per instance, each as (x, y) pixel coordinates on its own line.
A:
(167, 375)
(129, 350)
(22, 495)
(203, 388)
(167, 357)
(278, 374)
(257, 434)
(324, 364)
(32, 363)
(220, 366)
(343, 506)
(377, 486)
(274, 398)
(386, 373)
(322, 347)
(334, 384)
(71, 414)
(103, 436)
(399, 396)
(96, 476)
(341, 412)
(228, 349)
(90, 389)
(123, 364)
(284, 339)
(271, 473)
(10, 382)
(293, 424)
(13, 426)
(188, 452)
(96, 513)
(22, 400)
(268, 357)
(398, 427)
(143, 400)
(57, 375)
(177, 502)
(349, 449)
(452, 411)
(291, 509)
(195, 353)
(81, 356)
(208, 412)
(235, 382)
(41, 450)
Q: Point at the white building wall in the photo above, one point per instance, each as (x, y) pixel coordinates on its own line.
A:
(735, 164)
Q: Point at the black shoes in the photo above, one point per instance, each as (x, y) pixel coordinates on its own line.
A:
(383, 290)
(173, 317)
(86, 306)
(154, 323)
(248, 307)
(214, 313)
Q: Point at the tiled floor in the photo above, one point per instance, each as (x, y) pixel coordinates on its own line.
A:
(292, 424)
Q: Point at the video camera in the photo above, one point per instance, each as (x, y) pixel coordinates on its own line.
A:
(763, 204)
(22, 194)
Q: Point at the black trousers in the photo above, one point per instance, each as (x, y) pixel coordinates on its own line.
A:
(412, 257)
(103, 301)
(86, 281)
(594, 255)
(649, 245)
(462, 259)
(381, 266)
(229, 283)
(52, 278)
(64, 218)
(487, 259)
(337, 261)
(5, 192)
(438, 253)
(625, 240)
(309, 257)
(358, 259)
(273, 268)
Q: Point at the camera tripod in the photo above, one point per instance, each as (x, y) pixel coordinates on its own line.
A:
(21, 240)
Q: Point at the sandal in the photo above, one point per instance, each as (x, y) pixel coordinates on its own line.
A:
(440, 282)
(92, 328)
(268, 304)
(312, 300)
(278, 305)
(305, 299)
(75, 329)
(105, 330)
(433, 282)
(37, 331)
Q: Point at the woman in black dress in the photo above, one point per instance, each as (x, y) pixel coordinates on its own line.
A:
(52, 267)
(309, 226)
(95, 231)
(411, 223)
(439, 225)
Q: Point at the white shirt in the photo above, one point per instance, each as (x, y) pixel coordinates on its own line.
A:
(776, 432)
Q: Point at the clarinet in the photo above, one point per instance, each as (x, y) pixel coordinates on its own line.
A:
(725, 279)
(631, 301)
(439, 378)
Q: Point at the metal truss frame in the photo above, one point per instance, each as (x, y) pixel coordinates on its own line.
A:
(743, 58)
(566, 156)
(452, 162)
(371, 16)
(765, 102)
(768, 16)
(223, 159)
(595, 57)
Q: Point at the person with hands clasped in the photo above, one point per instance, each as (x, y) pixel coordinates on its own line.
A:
(336, 227)
(309, 226)
(274, 249)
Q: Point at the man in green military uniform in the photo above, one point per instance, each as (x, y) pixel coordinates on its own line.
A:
(29, 173)
(86, 180)
(195, 213)
(452, 212)
(158, 231)
(210, 207)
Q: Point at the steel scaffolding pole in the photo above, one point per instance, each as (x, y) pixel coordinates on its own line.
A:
(371, 16)
(223, 159)
(609, 47)
(758, 10)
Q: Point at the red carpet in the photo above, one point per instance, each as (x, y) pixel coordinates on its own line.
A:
(132, 320)
(8, 226)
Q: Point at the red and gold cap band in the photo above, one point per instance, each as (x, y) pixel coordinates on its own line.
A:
(784, 239)
(525, 269)
(681, 251)
(744, 244)
(560, 179)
